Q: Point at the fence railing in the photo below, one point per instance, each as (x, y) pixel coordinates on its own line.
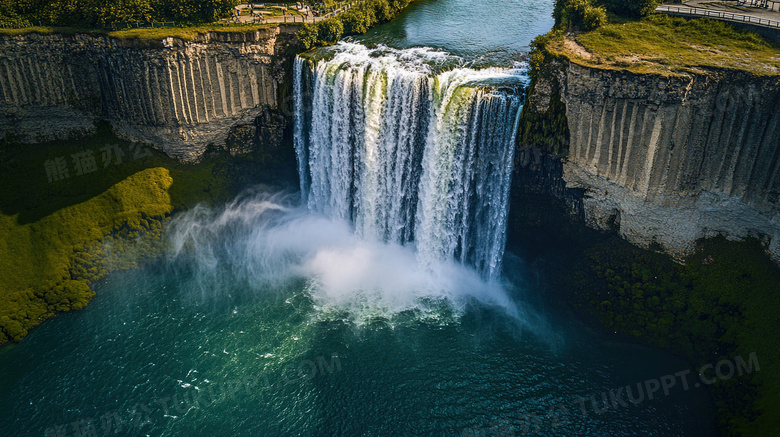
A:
(719, 15)
(138, 25)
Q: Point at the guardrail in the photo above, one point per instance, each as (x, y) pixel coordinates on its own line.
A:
(719, 15)
(138, 24)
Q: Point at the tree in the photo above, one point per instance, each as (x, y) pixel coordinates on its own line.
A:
(329, 30)
(585, 14)
(382, 11)
(630, 8)
(579, 14)
(126, 11)
(355, 22)
(10, 16)
(307, 35)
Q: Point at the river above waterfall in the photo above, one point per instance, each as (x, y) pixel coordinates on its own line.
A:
(483, 33)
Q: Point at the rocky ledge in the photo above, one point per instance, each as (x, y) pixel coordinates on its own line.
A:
(178, 96)
(669, 160)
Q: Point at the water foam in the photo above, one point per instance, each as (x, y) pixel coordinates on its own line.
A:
(405, 163)
(267, 241)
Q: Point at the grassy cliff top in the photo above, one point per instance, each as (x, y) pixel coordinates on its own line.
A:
(669, 46)
(188, 33)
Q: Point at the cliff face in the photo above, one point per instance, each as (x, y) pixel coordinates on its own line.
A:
(178, 96)
(669, 160)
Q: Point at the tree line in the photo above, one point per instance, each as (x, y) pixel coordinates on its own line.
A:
(100, 13)
(357, 20)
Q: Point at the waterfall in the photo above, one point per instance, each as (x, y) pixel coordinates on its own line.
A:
(408, 152)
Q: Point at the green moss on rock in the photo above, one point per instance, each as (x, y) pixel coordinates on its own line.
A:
(547, 129)
(59, 236)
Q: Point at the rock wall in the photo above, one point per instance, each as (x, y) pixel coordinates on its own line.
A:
(670, 160)
(179, 97)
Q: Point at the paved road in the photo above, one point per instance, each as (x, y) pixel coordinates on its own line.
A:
(737, 13)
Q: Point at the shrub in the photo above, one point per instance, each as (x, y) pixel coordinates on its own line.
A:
(579, 14)
(382, 11)
(590, 14)
(126, 11)
(307, 35)
(9, 15)
(329, 31)
(357, 22)
(630, 8)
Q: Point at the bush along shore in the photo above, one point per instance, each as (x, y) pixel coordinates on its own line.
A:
(73, 211)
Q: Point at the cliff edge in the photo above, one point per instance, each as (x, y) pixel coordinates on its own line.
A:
(178, 96)
(668, 157)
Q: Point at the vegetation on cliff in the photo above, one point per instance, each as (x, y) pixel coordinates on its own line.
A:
(146, 36)
(355, 21)
(73, 211)
(665, 44)
(547, 130)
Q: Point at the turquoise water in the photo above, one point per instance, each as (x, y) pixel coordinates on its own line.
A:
(486, 32)
(162, 339)
(267, 319)
(235, 333)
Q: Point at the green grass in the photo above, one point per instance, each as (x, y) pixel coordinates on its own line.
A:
(46, 30)
(672, 46)
(274, 12)
(54, 235)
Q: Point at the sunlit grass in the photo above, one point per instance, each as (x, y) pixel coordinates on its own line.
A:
(671, 45)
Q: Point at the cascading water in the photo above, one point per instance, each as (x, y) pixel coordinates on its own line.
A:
(409, 154)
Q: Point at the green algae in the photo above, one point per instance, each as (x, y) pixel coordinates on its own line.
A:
(60, 235)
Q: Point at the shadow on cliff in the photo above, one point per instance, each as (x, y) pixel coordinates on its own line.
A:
(722, 302)
(40, 179)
